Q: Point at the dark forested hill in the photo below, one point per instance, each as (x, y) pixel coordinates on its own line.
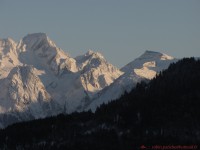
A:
(166, 111)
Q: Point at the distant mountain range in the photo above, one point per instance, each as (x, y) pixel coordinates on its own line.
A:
(38, 79)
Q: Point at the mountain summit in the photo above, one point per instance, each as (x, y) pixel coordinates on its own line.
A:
(147, 59)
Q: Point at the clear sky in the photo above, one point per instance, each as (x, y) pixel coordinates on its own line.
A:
(120, 29)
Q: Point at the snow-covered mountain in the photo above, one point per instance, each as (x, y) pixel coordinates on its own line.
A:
(148, 64)
(142, 68)
(39, 79)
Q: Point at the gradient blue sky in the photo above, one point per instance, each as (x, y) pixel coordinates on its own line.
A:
(120, 29)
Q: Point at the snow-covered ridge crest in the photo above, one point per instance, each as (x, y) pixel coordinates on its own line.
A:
(142, 68)
(147, 57)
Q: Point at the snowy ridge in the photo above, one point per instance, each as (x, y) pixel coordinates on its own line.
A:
(148, 58)
(141, 69)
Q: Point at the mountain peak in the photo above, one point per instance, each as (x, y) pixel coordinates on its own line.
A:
(36, 35)
(7, 41)
(35, 39)
(38, 46)
(147, 58)
(152, 52)
(84, 60)
(148, 54)
(90, 52)
(94, 54)
(8, 52)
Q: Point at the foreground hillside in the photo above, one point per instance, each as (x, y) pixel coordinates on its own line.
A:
(163, 112)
